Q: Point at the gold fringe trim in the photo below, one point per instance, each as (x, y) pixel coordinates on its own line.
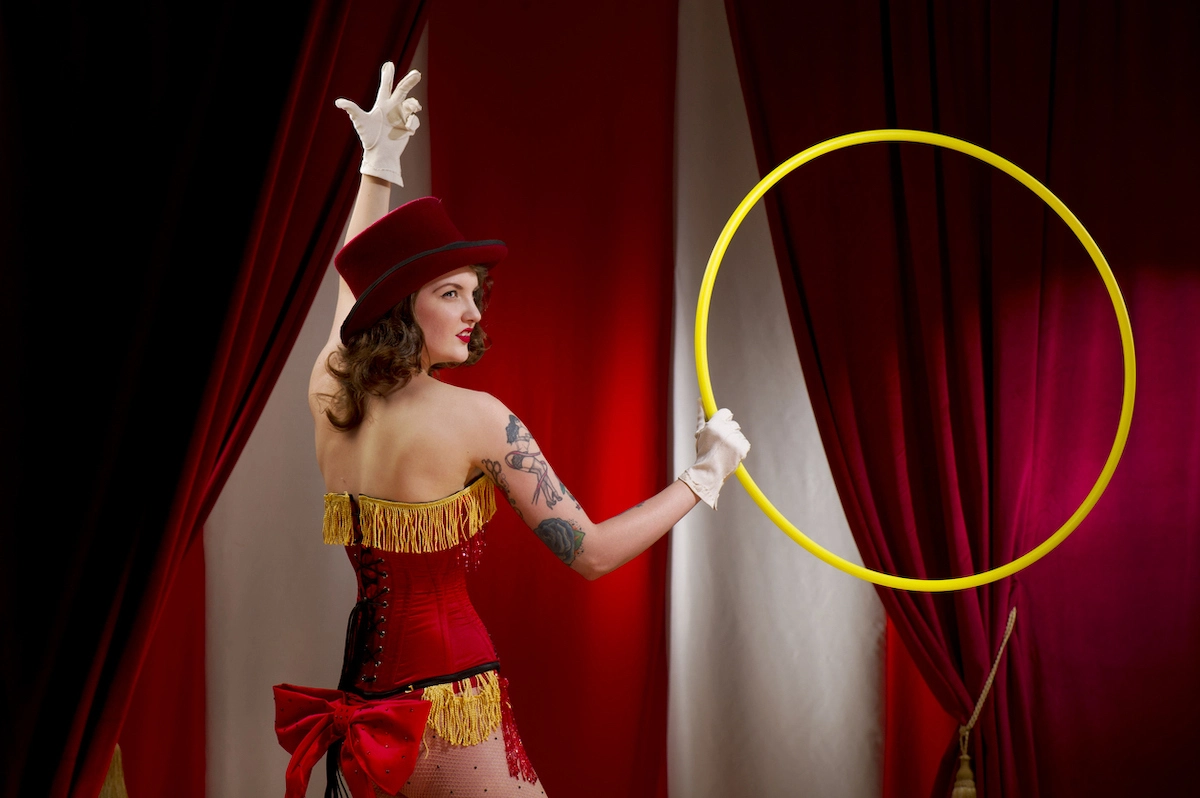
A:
(410, 528)
(338, 527)
(466, 712)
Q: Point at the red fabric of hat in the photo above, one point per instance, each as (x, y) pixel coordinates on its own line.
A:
(401, 252)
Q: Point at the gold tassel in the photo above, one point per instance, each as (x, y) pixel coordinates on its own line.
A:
(428, 527)
(114, 782)
(338, 526)
(463, 713)
(964, 782)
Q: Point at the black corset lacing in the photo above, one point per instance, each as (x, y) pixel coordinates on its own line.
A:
(364, 637)
(364, 644)
(361, 648)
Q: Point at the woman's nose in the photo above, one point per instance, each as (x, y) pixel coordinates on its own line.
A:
(472, 313)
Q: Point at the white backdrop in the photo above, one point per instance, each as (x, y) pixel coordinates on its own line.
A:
(776, 681)
(776, 658)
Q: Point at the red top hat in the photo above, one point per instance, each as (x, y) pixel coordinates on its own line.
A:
(401, 252)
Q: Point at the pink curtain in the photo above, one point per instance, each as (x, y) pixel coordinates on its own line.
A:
(218, 133)
(964, 363)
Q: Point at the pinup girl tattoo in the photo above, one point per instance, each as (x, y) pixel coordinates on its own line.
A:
(561, 536)
(523, 459)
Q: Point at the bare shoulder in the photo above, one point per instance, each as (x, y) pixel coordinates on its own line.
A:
(478, 410)
(483, 420)
(453, 410)
(488, 407)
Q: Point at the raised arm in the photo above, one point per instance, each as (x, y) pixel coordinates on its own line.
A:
(384, 132)
(374, 197)
(511, 457)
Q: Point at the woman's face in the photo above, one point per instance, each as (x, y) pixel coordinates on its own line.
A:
(446, 312)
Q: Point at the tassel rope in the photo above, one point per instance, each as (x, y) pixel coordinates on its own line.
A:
(964, 780)
(411, 528)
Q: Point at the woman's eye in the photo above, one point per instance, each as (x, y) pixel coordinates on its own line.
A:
(450, 293)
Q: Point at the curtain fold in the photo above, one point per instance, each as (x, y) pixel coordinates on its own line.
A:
(916, 726)
(246, 165)
(123, 234)
(163, 736)
(303, 203)
(552, 129)
(963, 360)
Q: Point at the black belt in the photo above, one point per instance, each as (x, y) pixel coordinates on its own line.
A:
(423, 683)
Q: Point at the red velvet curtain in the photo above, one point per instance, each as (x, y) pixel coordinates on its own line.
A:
(552, 128)
(211, 112)
(915, 726)
(164, 735)
(964, 363)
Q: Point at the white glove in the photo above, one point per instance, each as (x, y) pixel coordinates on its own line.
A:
(384, 130)
(720, 446)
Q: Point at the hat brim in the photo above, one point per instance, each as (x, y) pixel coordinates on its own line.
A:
(407, 277)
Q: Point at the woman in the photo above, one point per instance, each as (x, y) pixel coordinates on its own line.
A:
(411, 465)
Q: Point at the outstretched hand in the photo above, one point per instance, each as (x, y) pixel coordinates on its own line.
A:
(720, 447)
(385, 129)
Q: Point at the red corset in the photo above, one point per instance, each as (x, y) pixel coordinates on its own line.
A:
(414, 619)
(413, 623)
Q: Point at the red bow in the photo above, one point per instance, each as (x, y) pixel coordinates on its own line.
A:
(381, 738)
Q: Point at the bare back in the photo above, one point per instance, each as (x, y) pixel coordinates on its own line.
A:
(414, 445)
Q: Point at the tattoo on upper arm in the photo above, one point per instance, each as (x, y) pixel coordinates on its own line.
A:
(570, 496)
(497, 477)
(562, 537)
(525, 458)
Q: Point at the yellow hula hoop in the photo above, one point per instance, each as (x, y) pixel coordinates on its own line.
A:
(710, 404)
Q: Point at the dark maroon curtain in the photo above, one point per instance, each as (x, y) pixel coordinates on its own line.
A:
(176, 178)
(964, 363)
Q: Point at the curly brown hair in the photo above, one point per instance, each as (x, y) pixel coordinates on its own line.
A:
(384, 357)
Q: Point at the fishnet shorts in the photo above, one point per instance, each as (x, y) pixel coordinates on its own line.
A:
(464, 771)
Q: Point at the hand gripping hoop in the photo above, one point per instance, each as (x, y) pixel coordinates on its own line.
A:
(710, 404)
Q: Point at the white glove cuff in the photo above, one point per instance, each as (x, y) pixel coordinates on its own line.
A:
(378, 167)
(702, 485)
